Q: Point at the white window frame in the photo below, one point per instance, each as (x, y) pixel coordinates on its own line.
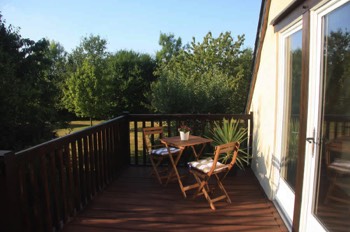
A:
(285, 195)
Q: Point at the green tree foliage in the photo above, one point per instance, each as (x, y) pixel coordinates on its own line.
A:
(132, 74)
(27, 113)
(87, 87)
(337, 73)
(57, 74)
(296, 59)
(58, 56)
(170, 47)
(208, 77)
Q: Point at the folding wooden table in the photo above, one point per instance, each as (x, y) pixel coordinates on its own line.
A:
(183, 144)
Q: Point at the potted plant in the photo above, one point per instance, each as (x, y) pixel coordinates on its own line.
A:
(230, 131)
(184, 132)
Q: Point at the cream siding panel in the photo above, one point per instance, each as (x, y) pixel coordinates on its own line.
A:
(264, 107)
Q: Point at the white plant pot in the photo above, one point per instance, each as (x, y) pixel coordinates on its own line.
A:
(184, 136)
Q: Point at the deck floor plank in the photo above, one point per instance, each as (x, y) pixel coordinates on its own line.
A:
(136, 202)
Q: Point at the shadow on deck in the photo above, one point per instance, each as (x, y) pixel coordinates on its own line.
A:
(136, 202)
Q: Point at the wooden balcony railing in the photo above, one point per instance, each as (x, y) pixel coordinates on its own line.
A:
(46, 185)
(42, 187)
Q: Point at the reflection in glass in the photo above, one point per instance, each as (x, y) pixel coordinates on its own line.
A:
(332, 204)
(293, 79)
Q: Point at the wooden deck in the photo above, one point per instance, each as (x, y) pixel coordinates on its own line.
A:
(136, 202)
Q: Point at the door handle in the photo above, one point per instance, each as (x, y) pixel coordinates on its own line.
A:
(310, 140)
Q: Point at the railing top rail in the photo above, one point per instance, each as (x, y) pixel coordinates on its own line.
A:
(335, 117)
(49, 145)
(188, 116)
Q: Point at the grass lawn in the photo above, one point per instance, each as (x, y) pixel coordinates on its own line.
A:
(75, 126)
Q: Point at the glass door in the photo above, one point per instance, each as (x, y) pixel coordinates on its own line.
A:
(289, 104)
(327, 178)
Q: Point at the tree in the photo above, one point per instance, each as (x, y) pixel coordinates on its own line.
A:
(85, 91)
(87, 87)
(208, 77)
(132, 74)
(57, 74)
(170, 47)
(337, 72)
(27, 113)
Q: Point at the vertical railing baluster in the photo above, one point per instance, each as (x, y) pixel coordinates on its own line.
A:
(24, 195)
(46, 193)
(92, 164)
(136, 144)
(35, 193)
(144, 154)
(102, 168)
(62, 184)
(105, 155)
(335, 129)
(70, 185)
(113, 150)
(168, 127)
(81, 172)
(86, 153)
(97, 161)
(77, 183)
(54, 188)
(109, 157)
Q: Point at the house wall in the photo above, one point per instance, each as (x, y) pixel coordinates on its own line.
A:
(265, 162)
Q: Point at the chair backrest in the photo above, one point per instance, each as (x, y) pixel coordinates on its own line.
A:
(337, 146)
(151, 131)
(228, 148)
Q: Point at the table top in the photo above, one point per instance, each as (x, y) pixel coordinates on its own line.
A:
(193, 140)
(340, 144)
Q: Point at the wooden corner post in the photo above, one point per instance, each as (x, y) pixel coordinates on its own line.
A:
(10, 214)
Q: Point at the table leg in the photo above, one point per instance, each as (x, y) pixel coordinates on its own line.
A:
(197, 155)
(174, 169)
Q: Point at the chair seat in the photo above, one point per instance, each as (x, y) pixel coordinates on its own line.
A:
(164, 151)
(204, 165)
(340, 165)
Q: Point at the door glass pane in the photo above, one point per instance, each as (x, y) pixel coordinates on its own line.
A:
(332, 202)
(293, 83)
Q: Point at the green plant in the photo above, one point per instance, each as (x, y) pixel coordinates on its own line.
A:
(230, 131)
(184, 128)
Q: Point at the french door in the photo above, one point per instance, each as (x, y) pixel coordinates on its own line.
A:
(288, 117)
(326, 189)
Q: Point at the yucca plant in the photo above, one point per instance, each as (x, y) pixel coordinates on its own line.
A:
(230, 131)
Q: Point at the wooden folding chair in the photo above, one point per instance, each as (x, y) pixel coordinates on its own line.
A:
(157, 151)
(204, 169)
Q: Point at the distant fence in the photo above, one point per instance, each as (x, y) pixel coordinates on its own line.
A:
(335, 126)
(200, 124)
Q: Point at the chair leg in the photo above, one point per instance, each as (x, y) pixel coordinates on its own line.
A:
(206, 194)
(221, 186)
(155, 166)
(199, 185)
(202, 189)
(329, 192)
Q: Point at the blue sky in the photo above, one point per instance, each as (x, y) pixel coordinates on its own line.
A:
(131, 24)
